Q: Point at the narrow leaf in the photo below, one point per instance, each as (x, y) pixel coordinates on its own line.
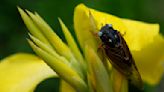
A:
(63, 70)
(101, 77)
(71, 42)
(34, 30)
(48, 49)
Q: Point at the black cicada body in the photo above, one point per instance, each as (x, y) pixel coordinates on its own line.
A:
(119, 54)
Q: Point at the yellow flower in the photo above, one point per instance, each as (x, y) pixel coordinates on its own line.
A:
(78, 73)
(143, 39)
(22, 72)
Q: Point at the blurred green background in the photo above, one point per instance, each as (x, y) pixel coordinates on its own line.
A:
(13, 32)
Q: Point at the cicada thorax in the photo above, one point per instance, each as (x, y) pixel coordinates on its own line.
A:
(119, 54)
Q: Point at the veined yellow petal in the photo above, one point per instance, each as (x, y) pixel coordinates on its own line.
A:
(34, 30)
(22, 72)
(97, 71)
(139, 34)
(63, 70)
(150, 59)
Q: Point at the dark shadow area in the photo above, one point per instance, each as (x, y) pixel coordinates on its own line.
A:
(146, 88)
(48, 85)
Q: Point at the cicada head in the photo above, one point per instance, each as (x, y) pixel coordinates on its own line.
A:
(109, 36)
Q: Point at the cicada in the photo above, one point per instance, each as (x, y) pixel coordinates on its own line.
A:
(118, 53)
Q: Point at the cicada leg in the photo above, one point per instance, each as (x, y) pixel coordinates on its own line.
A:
(103, 57)
(123, 34)
(101, 52)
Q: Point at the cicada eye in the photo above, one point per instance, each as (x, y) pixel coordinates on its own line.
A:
(100, 34)
(109, 25)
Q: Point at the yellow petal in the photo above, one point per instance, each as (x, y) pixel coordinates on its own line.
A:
(83, 26)
(134, 31)
(150, 59)
(139, 34)
(22, 72)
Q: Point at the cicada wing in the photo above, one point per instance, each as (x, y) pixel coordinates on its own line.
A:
(128, 70)
(123, 61)
(135, 78)
(118, 63)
